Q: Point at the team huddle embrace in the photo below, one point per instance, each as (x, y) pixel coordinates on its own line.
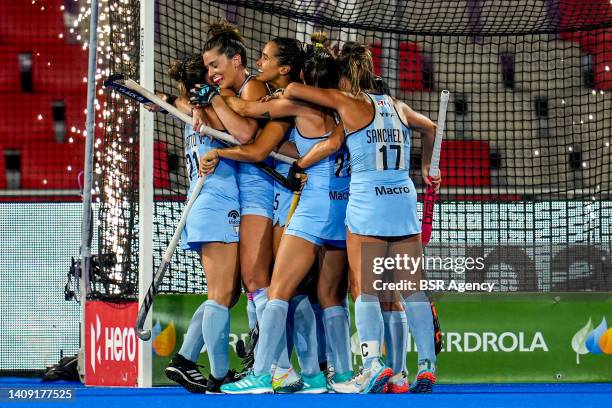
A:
(297, 260)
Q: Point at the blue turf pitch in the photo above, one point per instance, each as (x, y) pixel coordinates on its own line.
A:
(457, 396)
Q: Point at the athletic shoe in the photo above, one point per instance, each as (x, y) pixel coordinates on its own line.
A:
(398, 384)
(214, 385)
(425, 379)
(314, 385)
(286, 381)
(186, 373)
(244, 349)
(367, 381)
(250, 384)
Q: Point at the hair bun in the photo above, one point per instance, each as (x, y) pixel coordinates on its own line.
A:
(177, 70)
(318, 39)
(224, 27)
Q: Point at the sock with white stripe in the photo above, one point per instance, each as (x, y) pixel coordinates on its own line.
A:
(215, 328)
(396, 335)
(193, 340)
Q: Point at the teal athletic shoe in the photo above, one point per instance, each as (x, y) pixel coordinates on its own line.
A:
(314, 385)
(250, 384)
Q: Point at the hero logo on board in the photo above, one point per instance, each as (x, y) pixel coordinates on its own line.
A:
(112, 345)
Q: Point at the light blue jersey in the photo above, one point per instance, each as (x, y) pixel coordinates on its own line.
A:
(319, 216)
(282, 195)
(215, 215)
(256, 187)
(383, 199)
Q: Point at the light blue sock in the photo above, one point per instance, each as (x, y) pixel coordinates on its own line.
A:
(289, 328)
(321, 343)
(396, 335)
(193, 340)
(338, 337)
(305, 336)
(347, 312)
(283, 356)
(260, 297)
(370, 327)
(215, 329)
(251, 314)
(347, 309)
(420, 321)
(271, 334)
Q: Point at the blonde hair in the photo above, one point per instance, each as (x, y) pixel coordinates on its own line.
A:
(318, 39)
(357, 66)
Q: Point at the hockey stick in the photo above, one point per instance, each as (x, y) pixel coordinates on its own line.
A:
(161, 270)
(434, 170)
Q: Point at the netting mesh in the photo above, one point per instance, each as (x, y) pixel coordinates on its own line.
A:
(526, 159)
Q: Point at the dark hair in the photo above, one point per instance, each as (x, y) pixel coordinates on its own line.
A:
(188, 72)
(356, 65)
(291, 53)
(381, 86)
(320, 67)
(227, 38)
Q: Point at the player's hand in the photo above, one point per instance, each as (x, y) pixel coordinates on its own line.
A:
(151, 107)
(278, 94)
(429, 180)
(203, 94)
(208, 162)
(296, 177)
(199, 118)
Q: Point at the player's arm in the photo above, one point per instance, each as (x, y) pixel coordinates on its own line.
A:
(427, 129)
(328, 98)
(350, 108)
(243, 129)
(268, 140)
(276, 108)
(324, 148)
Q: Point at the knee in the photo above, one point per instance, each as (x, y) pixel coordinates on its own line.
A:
(328, 296)
(277, 292)
(222, 297)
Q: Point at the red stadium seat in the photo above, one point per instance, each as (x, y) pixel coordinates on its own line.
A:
(19, 115)
(411, 67)
(2, 169)
(161, 178)
(465, 163)
(10, 80)
(576, 13)
(376, 50)
(22, 22)
(55, 68)
(603, 67)
(51, 165)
